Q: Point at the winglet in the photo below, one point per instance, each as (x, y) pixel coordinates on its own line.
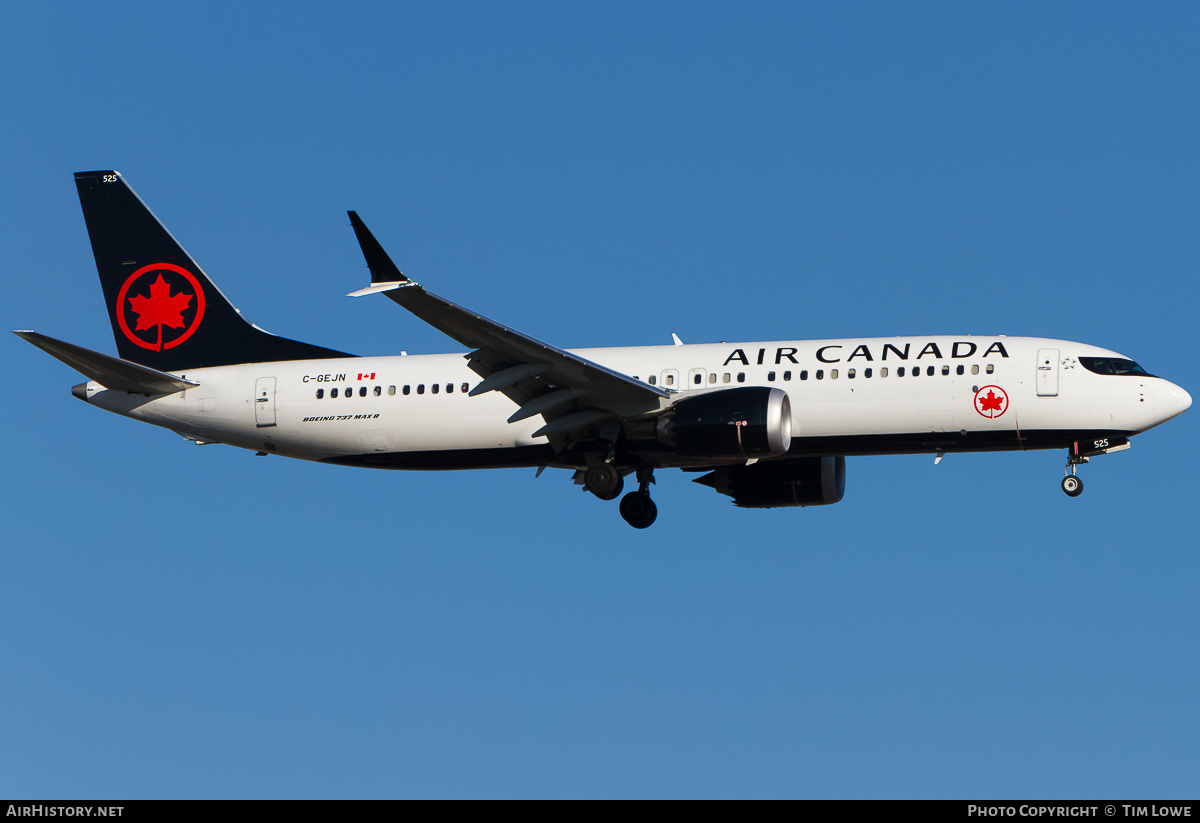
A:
(383, 270)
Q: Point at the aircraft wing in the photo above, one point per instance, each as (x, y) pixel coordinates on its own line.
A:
(570, 392)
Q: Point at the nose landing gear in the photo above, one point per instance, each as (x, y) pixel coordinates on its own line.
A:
(1072, 486)
(637, 508)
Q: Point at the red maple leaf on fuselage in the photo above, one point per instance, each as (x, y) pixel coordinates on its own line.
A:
(991, 402)
(161, 308)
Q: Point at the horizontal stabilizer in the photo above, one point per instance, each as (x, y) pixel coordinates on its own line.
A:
(110, 372)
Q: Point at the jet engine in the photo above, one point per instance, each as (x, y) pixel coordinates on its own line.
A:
(805, 481)
(743, 423)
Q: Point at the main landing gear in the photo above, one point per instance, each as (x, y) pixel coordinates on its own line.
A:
(605, 481)
(637, 508)
(1071, 484)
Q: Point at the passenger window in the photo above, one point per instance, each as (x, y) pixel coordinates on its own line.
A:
(866, 372)
(787, 375)
(833, 374)
(406, 390)
(378, 391)
(820, 374)
(465, 388)
(320, 393)
(653, 380)
(391, 391)
(883, 372)
(449, 388)
(771, 376)
(712, 377)
(741, 377)
(900, 372)
(349, 391)
(961, 369)
(697, 379)
(725, 377)
(945, 370)
(362, 392)
(670, 381)
(333, 392)
(420, 388)
(991, 368)
(804, 374)
(436, 387)
(849, 374)
(929, 371)
(975, 369)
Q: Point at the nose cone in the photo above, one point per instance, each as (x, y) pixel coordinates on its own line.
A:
(1170, 401)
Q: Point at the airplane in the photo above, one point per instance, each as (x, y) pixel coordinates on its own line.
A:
(768, 424)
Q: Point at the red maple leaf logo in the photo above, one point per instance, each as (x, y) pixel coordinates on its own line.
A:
(991, 402)
(160, 309)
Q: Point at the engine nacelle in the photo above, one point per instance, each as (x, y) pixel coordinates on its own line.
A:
(805, 481)
(749, 422)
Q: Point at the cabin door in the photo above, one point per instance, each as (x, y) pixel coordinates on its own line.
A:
(264, 402)
(1047, 373)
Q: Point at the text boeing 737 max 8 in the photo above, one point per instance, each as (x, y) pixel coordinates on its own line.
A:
(769, 423)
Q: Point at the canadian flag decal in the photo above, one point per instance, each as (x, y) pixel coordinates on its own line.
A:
(370, 376)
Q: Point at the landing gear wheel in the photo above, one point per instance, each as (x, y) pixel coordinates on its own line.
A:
(638, 510)
(604, 481)
(1072, 485)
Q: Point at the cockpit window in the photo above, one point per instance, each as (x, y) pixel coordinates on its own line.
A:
(1113, 365)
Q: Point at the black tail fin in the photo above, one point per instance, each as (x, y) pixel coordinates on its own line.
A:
(165, 312)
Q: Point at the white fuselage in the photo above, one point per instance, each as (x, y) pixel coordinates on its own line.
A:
(853, 396)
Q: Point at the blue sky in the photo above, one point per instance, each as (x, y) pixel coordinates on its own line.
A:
(198, 622)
